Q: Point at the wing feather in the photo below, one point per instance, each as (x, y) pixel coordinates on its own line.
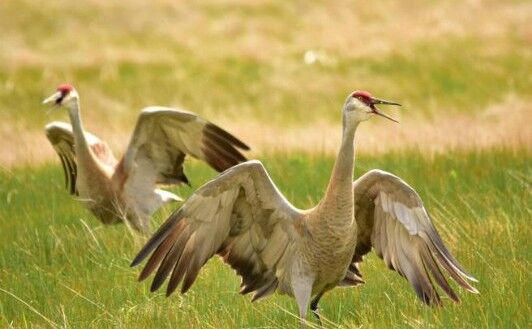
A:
(160, 142)
(161, 251)
(403, 236)
(171, 258)
(62, 139)
(242, 217)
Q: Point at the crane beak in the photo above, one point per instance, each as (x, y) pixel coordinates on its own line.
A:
(375, 101)
(56, 98)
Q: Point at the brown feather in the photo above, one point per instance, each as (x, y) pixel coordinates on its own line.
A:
(430, 263)
(229, 153)
(181, 267)
(214, 129)
(161, 251)
(214, 159)
(157, 238)
(192, 273)
(452, 272)
(171, 259)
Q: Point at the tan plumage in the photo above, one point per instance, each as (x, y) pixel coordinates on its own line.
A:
(392, 220)
(126, 189)
(62, 139)
(242, 217)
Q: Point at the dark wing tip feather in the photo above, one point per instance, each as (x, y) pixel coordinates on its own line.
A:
(160, 276)
(456, 275)
(169, 290)
(440, 246)
(177, 276)
(220, 152)
(431, 265)
(146, 250)
(159, 255)
(156, 239)
(65, 172)
(424, 289)
(428, 250)
(215, 161)
(155, 284)
(173, 283)
(227, 136)
(69, 171)
(73, 174)
(223, 150)
(192, 274)
(433, 249)
(223, 145)
(173, 258)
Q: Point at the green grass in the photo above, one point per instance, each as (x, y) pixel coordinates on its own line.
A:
(244, 60)
(55, 259)
(429, 79)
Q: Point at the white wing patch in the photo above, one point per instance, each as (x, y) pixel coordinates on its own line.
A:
(393, 221)
(409, 217)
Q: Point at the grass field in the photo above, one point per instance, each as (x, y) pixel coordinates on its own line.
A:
(57, 261)
(275, 73)
(460, 69)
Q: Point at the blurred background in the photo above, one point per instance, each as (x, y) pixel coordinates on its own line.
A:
(276, 74)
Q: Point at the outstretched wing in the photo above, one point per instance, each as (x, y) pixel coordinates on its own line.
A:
(240, 216)
(160, 142)
(60, 136)
(391, 219)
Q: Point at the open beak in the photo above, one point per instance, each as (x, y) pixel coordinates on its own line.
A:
(375, 101)
(55, 99)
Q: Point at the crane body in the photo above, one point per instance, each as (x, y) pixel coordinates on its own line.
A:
(126, 190)
(242, 217)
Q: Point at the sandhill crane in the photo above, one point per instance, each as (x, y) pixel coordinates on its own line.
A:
(126, 189)
(242, 216)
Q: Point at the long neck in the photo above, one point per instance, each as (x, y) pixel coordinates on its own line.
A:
(339, 192)
(80, 142)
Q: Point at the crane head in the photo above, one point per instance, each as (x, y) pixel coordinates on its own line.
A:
(64, 95)
(361, 105)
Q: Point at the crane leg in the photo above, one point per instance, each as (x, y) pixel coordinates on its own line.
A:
(302, 288)
(314, 307)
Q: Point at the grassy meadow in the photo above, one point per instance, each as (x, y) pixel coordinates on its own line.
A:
(276, 74)
(59, 262)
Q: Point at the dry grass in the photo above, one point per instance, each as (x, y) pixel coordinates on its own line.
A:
(242, 64)
(66, 33)
(500, 125)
